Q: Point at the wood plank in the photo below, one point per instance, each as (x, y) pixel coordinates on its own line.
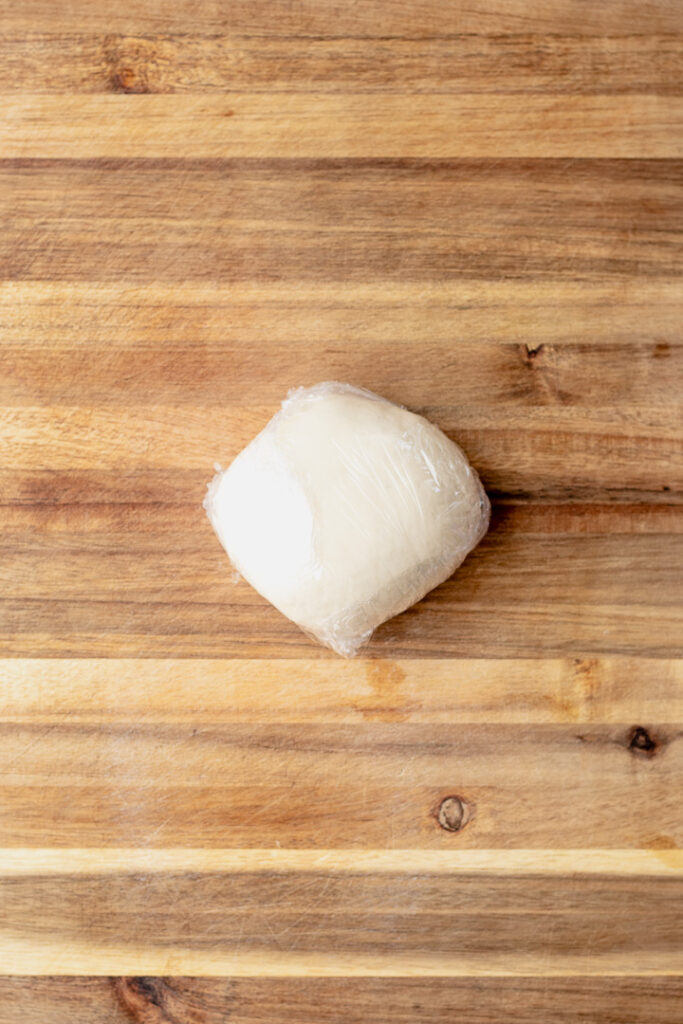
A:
(132, 454)
(94, 692)
(56, 523)
(554, 441)
(462, 373)
(409, 125)
(118, 315)
(602, 1000)
(129, 782)
(120, 581)
(330, 924)
(527, 457)
(339, 220)
(471, 198)
(177, 486)
(115, 563)
(71, 62)
(374, 19)
(89, 629)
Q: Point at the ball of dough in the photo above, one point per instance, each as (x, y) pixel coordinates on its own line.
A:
(345, 510)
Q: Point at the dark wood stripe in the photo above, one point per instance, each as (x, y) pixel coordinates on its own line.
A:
(611, 169)
(452, 371)
(103, 565)
(454, 917)
(601, 1000)
(122, 583)
(84, 488)
(398, 222)
(376, 19)
(167, 63)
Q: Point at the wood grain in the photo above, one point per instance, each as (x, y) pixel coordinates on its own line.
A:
(216, 63)
(345, 754)
(376, 784)
(616, 691)
(318, 922)
(391, 125)
(340, 220)
(75, 731)
(121, 579)
(375, 19)
(25, 862)
(476, 210)
(612, 310)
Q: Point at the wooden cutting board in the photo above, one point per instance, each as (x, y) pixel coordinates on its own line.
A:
(477, 211)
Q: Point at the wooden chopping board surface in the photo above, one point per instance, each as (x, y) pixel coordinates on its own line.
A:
(477, 211)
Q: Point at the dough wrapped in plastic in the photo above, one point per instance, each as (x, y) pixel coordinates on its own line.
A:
(345, 510)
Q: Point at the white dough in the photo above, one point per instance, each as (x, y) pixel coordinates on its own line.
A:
(345, 510)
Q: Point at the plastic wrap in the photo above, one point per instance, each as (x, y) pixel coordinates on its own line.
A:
(345, 510)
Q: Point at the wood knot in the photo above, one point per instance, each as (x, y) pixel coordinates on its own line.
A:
(142, 999)
(135, 64)
(129, 79)
(172, 1000)
(640, 742)
(148, 988)
(453, 813)
(531, 353)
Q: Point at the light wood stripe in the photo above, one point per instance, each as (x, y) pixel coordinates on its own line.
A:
(119, 316)
(175, 436)
(459, 294)
(256, 125)
(524, 691)
(515, 862)
(32, 957)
